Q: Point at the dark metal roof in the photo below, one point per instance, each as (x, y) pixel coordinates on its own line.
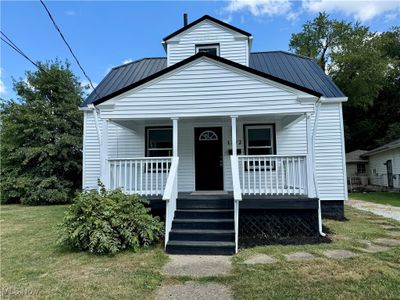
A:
(287, 68)
(124, 75)
(298, 69)
(206, 17)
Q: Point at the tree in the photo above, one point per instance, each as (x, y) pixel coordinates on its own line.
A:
(360, 67)
(348, 52)
(319, 37)
(366, 67)
(41, 137)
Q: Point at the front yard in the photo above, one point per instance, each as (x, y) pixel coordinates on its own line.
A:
(30, 260)
(390, 198)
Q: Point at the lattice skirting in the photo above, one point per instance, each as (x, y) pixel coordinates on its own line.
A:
(274, 226)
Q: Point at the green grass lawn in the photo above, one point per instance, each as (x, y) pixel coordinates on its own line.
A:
(31, 259)
(390, 198)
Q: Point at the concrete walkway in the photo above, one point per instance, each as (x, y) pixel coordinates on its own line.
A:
(197, 265)
(387, 211)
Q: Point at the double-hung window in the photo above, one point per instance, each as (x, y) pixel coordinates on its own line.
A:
(158, 144)
(361, 168)
(259, 140)
(158, 141)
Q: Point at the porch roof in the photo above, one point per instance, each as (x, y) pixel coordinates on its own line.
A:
(287, 68)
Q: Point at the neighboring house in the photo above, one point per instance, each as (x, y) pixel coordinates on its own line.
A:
(355, 164)
(384, 165)
(229, 142)
(357, 168)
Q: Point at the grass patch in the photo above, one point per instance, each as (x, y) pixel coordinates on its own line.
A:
(30, 259)
(391, 198)
(367, 276)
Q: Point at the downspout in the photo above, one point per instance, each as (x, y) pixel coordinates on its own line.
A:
(317, 107)
(96, 120)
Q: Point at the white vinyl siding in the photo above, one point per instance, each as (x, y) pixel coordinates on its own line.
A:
(91, 152)
(125, 143)
(233, 46)
(205, 88)
(329, 154)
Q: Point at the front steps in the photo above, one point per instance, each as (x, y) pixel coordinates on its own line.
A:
(202, 226)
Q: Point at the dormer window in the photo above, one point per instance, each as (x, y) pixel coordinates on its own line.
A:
(208, 48)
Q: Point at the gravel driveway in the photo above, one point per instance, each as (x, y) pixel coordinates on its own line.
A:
(387, 211)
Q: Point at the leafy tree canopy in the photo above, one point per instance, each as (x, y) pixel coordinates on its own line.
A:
(41, 137)
(366, 66)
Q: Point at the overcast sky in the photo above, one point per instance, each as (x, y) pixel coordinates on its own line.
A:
(105, 34)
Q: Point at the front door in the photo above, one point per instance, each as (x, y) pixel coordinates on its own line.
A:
(389, 171)
(208, 158)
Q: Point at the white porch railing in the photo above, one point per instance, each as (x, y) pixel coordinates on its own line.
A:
(273, 174)
(143, 176)
(170, 195)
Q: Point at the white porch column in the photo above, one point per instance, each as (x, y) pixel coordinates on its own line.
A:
(104, 176)
(234, 136)
(175, 137)
(309, 156)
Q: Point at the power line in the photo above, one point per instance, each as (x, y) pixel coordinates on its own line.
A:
(66, 43)
(10, 43)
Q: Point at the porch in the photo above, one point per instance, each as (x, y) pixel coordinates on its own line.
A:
(249, 162)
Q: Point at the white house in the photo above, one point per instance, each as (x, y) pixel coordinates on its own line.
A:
(384, 165)
(224, 138)
(356, 169)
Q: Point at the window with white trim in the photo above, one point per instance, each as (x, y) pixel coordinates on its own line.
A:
(259, 139)
(210, 49)
(159, 141)
(361, 168)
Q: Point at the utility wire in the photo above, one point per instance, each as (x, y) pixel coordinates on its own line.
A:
(66, 43)
(10, 43)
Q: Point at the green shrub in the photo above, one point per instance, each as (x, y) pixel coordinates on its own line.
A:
(106, 222)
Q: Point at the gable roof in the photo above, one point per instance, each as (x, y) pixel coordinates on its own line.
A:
(355, 156)
(290, 69)
(206, 17)
(389, 146)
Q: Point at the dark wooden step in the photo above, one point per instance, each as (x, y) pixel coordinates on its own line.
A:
(202, 235)
(203, 224)
(191, 203)
(204, 213)
(200, 247)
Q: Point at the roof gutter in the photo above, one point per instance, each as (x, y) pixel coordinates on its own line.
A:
(333, 99)
(164, 44)
(317, 108)
(96, 120)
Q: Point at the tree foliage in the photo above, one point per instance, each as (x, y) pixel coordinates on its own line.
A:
(41, 137)
(319, 38)
(365, 65)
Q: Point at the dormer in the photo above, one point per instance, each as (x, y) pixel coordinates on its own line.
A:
(210, 35)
